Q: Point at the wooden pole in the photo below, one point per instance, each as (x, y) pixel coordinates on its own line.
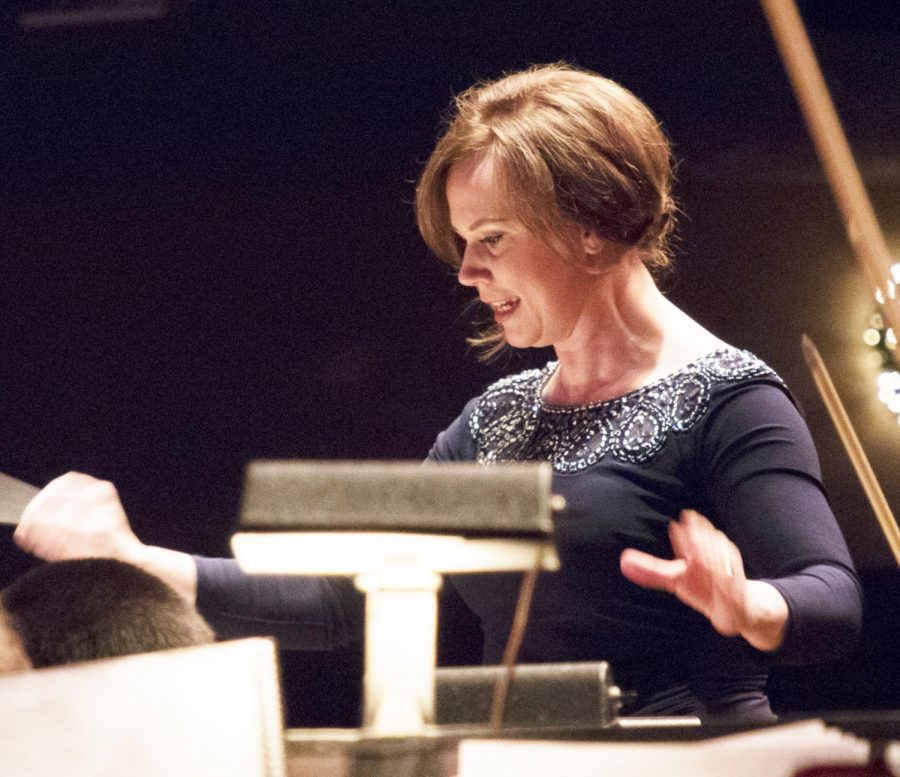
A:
(852, 445)
(834, 152)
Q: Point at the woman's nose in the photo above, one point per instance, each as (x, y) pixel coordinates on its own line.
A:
(472, 269)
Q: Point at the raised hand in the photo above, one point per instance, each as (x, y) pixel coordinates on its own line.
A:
(77, 516)
(707, 574)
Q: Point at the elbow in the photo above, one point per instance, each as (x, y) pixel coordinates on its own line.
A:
(825, 616)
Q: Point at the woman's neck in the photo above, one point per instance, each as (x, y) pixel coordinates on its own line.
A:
(631, 337)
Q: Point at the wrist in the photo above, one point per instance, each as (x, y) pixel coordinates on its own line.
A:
(766, 616)
(173, 567)
(134, 552)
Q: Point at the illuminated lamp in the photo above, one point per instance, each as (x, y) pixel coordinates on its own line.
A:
(396, 527)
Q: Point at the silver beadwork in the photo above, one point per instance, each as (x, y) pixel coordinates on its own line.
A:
(511, 421)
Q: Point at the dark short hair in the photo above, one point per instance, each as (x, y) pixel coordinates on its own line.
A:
(86, 609)
(568, 146)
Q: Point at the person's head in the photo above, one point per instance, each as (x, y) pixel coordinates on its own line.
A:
(81, 610)
(573, 153)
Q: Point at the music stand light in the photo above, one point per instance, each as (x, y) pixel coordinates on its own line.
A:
(396, 527)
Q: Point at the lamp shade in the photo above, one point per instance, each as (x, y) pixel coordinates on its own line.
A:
(460, 498)
(353, 517)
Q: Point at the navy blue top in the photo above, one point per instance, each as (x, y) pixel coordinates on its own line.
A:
(722, 436)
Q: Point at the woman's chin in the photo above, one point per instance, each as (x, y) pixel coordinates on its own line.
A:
(518, 340)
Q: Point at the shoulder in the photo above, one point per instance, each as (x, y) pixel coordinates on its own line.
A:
(730, 365)
(753, 421)
(739, 381)
(734, 390)
(504, 405)
(512, 393)
(507, 413)
(728, 373)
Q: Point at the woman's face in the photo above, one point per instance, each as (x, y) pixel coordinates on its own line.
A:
(536, 296)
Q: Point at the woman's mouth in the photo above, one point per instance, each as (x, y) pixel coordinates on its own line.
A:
(504, 308)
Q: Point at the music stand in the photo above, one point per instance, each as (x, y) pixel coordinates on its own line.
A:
(396, 526)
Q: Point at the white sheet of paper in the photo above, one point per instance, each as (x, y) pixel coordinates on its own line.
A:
(775, 752)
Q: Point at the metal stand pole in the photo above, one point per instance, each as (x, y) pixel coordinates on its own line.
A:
(400, 652)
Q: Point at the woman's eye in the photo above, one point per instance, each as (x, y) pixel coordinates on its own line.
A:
(491, 240)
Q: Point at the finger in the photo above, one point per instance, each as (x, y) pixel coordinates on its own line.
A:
(685, 532)
(702, 542)
(22, 537)
(718, 554)
(680, 545)
(651, 572)
(36, 539)
(34, 506)
(733, 563)
(62, 487)
(693, 518)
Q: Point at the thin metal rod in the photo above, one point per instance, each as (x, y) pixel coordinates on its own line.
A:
(852, 445)
(834, 151)
(511, 652)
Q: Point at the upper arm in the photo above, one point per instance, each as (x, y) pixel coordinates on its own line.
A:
(763, 488)
(456, 443)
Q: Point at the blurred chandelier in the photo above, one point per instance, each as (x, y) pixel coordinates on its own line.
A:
(883, 340)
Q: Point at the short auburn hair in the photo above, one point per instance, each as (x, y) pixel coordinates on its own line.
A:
(568, 146)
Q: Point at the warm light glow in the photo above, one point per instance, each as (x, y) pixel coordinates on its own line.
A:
(351, 553)
(401, 645)
(399, 574)
(873, 359)
(889, 381)
(871, 337)
(889, 390)
(895, 271)
(883, 342)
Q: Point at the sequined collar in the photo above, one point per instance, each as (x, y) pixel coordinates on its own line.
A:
(511, 422)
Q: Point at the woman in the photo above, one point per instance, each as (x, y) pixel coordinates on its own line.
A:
(550, 194)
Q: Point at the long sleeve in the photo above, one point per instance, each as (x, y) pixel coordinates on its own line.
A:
(303, 613)
(764, 490)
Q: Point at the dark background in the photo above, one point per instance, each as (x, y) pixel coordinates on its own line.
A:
(209, 255)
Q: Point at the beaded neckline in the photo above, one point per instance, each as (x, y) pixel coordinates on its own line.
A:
(511, 421)
(546, 372)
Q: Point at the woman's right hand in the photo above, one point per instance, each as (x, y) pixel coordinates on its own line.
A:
(77, 516)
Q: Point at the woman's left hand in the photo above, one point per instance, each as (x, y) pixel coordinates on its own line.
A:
(707, 572)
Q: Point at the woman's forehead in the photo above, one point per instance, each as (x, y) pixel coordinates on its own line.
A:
(474, 171)
(474, 192)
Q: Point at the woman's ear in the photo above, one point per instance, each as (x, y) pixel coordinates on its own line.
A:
(592, 243)
(602, 255)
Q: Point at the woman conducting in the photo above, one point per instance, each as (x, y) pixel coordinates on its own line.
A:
(697, 545)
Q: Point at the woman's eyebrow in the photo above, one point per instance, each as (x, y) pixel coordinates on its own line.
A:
(487, 220)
